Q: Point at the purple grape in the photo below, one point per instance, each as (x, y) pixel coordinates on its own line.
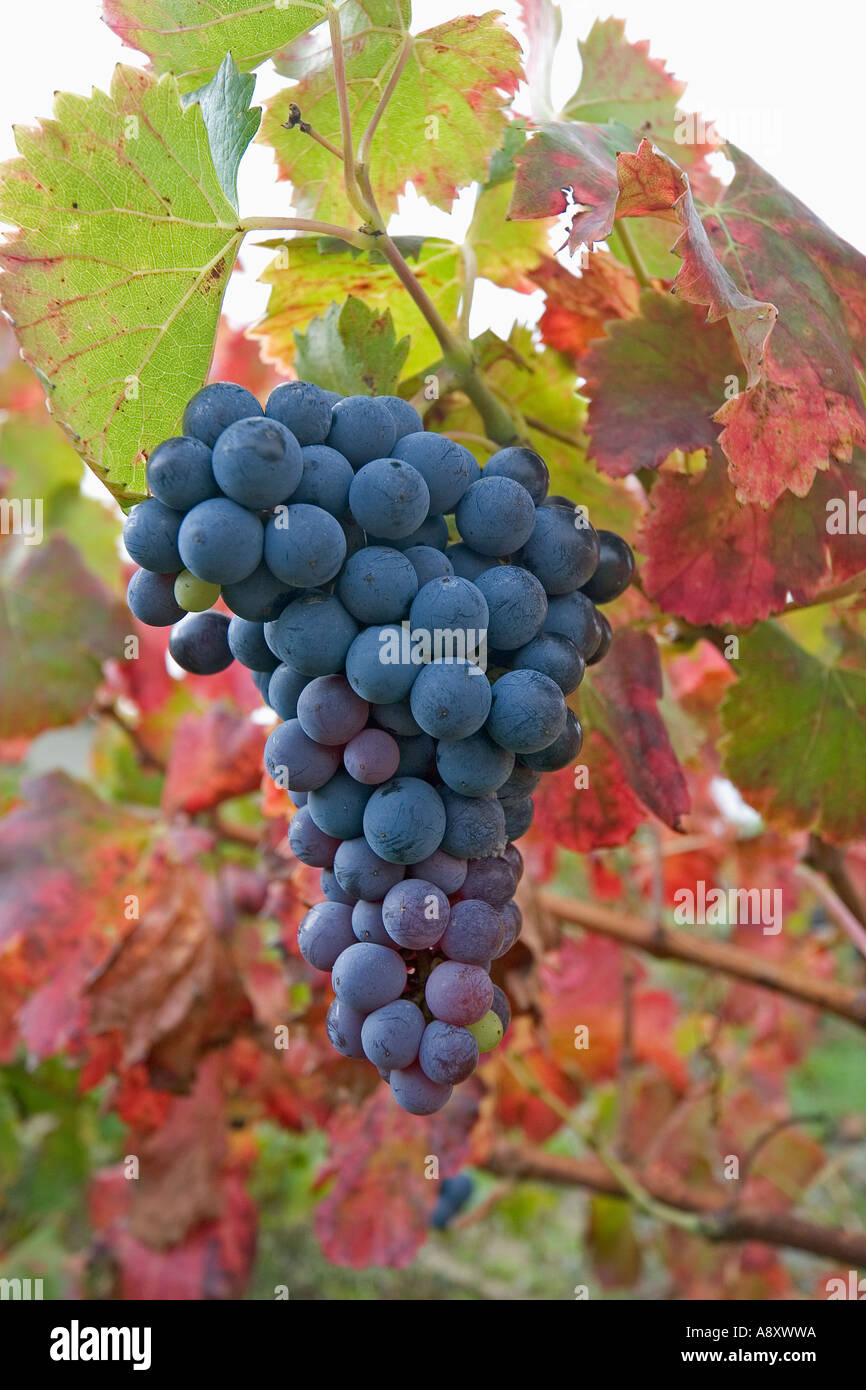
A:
(458, 993)
(492, 880)
(330, 712)
(392, 1035)
(367, 923)
(308, 843)
(325, 931)
(415, 914)
(344, 1029)
(366, 976)
(442, 869)
(371, 757)
(447, 1054)
(512, 921)
(501, 1007)
(413, 1091)
(474, 932)
(360, 871)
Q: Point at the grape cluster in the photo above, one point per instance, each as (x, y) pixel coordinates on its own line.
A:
(420, 682)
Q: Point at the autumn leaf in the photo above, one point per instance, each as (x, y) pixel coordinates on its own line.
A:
(214, 757)
(589, 806)
(579, 306)
(619, 81)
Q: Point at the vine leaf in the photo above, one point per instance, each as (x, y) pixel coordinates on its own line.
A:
(190, 37)
(579, 307)
(619, 81)
(351, 349)
(115, 280)
(231, 122)
(441, 125)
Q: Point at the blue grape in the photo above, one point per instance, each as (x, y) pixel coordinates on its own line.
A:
(330, 711)
(261, 680)
(495, 516)
(562, 751)
(433, 531)
(248, 646)
(525, 466)
(474, 933)
(396, 718)
(313, 634)
(344, 1029)
(377, 585)
(493, 880)
(356, 537)
(362, 873)
(308, 843)
(405, 416)
(446, 467)
(367, 923)
(522, 782)
(404, 820)
(454, 1193)
(447, 1054)
(150, 534)
(334, 890)
(366, 976)
(457, 993)
(199, 643)
(576, 617)
(325, 931)
(371, 757)
(389, 498)
(221, 541)
(604, 643)
(379, 665)
(527, 711)
(475, 826)
(179, 473)
(519, 812)
(415, 913)
(415, 1093)
(260, 597)
(215, 407)
(501, 1007)
(299, 798)
(517, 605)
(467, 563)
(257, 462)
(325, 480)
(614, 571)
(304, 545)
(474, 766)
(416, 755)
(441, 869)
(515, 859)
(303, 408)
(562, 550)
(451, 699)
(428, 563)
(294, 761)
(338, 806)
(150, 598)
(284, 687)
(555, 656)
(362, 428)
(449, 604)
(392, 1035)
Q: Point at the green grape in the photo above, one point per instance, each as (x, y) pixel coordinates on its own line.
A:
(195, 595)
(487, 1032)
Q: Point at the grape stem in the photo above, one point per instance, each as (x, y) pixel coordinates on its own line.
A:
(296, 121)
(357, 238)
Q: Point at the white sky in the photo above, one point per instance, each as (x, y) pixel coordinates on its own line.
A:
(783, 78)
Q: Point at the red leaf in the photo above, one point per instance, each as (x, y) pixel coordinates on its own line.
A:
(578, 306)
(604, 812)
(214, 756)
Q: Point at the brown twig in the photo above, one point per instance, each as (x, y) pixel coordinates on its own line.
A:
(297, 122)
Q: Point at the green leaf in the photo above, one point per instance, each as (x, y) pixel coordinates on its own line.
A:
(352, 349)
(505, 250)
(620, 82)
(796, 743)
(115, 281)
(231, 124)
(191, 37)
(308, 273)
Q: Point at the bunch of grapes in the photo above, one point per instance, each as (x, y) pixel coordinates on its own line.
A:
(420, 682)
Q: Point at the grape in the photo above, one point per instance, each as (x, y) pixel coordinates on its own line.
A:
(313, 634)
(604, 644)
(248, 646)
(329, 710)
(325, 480)
(367, 923)
(457, 993)
(260, 597)
(433, 532)
(344, 1029)
(447, 1054)
(501, 1007)
(179, 473)
(524, 466)
(390, 1036)
(194, 595)
(475, 826)
(302, 408)
(512, 921)
(404, 820)
(562, 751)
(454, 1193)
(220, 541)
(362, 428)
(474, 933)
(338, 806)
(488, 1031)
(527, 711)
(334, 890)
(495, 516)
(428, 563)
(473, 766)
(554, 656)
(284, 688)
(372, 757)
(614, 570)
(414, 1092)
(356, 537)
(294, 761)
(261, 680)
(451, 699)
(559, 552)
(522, 782)
(396, 718)
(304, 546)
(517, 605)
(389, 498)
(199, 643)
(377, 584)
(467, 563)
(405, 416)
(150, 534)
(446, 467)
(379, 665)
(415, 913)
(576, 617)
(150, 598)
(449, 603)
(308, 843)
(493, 880)
(515, 859)
(441, 869)
(299, 798)
(518, 816)
(215, 407)
(325, 931)
(362, 873)
(257, 462)
(366, 976)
